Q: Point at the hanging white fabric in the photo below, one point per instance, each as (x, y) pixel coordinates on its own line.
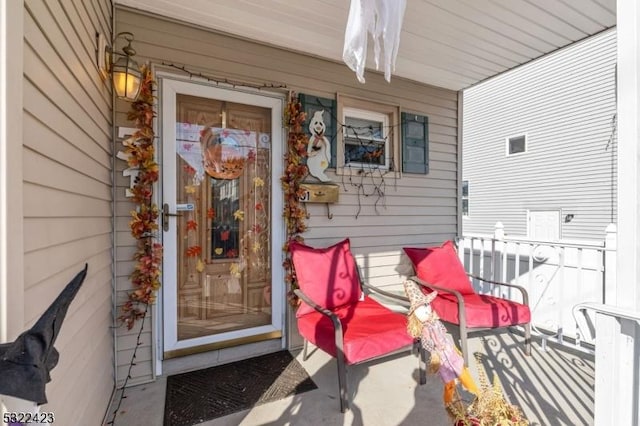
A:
(383, 20)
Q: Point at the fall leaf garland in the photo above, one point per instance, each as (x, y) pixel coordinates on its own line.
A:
(295, 171)
(144, 220)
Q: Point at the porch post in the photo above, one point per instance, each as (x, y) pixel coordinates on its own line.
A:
(617, 395)
(11, 217)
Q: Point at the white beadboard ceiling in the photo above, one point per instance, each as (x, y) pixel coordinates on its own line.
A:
(446, 43)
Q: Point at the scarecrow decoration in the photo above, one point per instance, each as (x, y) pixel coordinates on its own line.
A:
(489, 406)
(446, 359)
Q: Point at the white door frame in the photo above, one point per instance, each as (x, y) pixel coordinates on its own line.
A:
(170, 86)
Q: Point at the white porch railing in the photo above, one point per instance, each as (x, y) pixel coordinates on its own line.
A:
(557, 275)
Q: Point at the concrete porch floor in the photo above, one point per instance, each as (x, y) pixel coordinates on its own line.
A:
(553, 387)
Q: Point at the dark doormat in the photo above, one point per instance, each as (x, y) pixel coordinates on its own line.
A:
(202, 395)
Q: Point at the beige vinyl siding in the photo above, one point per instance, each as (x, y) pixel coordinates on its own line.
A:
(416, 210)
(565, 103)
(126, 247)
(67, 197)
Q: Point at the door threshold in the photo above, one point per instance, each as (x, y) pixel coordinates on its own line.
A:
(214, 357)
(222, 345)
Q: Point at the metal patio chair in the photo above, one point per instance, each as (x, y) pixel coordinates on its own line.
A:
(339, 318)
(457, 303)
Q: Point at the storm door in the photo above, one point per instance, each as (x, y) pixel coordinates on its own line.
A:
(222, 262)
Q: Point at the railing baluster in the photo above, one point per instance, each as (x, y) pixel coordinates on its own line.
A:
(560, 332)
(505, 260)
(517, 265)
(471, 255)
(530, 247)
(463, 251)
(481, 259)
(492, 271)
(579, 284)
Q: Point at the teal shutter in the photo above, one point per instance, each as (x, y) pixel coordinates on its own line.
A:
(415, 143)
(311, 104)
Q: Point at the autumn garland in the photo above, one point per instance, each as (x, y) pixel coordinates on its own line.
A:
(295, 213)
(144, 223)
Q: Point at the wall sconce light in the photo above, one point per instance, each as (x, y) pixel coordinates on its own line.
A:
(126, 76)
(568, 218)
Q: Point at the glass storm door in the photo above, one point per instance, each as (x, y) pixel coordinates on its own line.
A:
(222, 160)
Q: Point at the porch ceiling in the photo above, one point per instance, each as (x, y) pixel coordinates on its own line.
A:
(450, 44)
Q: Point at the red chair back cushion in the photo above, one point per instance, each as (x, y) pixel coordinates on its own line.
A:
(329, 276)
(440, 266)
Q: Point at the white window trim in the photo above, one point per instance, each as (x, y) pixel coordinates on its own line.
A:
(526, 144)
(371, 116)
(393, 160)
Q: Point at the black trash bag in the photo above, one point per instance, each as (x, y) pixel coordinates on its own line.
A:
(25, 364)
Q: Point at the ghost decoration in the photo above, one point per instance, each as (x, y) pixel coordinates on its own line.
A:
(318, 148)
(383, 20)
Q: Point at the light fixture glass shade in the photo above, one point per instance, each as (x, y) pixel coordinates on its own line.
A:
(126, 78)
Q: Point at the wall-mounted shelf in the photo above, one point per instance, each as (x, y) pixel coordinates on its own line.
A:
(320, 193)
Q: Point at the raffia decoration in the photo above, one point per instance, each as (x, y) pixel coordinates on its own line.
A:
(489, 408)
(220, 161)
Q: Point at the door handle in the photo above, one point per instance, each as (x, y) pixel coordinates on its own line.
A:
(166, 215)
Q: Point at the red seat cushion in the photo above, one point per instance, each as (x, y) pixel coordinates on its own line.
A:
(329, 276)
(482, 311)
(370, 330)
(440, 266)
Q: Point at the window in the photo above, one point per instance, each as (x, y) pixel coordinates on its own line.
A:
(465, 198)
(368, 137)
(516, 145)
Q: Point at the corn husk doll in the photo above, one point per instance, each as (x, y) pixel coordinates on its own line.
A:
(446, 359)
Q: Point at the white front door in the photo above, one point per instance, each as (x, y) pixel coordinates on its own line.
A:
(544, 225)
(222, 217)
